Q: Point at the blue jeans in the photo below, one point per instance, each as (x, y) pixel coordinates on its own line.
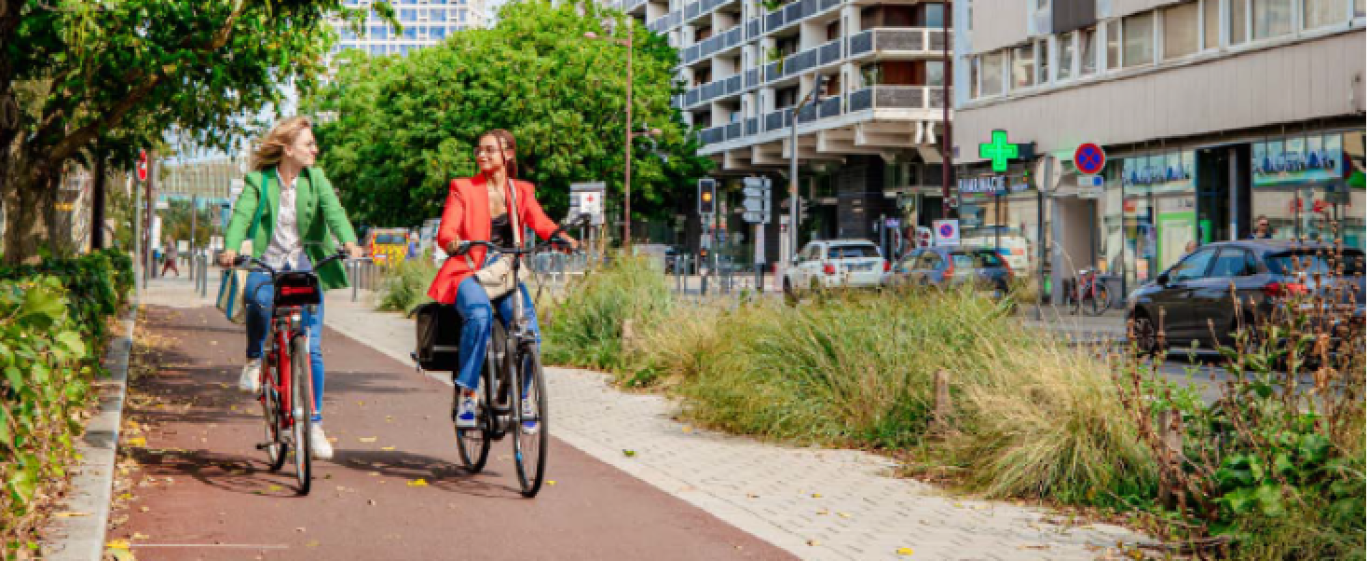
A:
(476, 311)
(259, 307)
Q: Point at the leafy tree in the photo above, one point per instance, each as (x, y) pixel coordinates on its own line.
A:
(92, 81)
(401, 128)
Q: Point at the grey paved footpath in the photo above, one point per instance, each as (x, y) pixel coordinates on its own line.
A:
(815, 503)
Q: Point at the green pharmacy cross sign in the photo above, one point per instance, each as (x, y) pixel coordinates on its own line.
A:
(999, 151)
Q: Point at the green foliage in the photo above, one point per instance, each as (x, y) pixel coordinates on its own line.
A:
(99, 80)
(406, 126)
(176, 223)
(52, 330)
(1033, 417)
(405, 285)
(588, 324)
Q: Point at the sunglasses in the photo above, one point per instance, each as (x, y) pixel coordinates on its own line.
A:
(486, 150)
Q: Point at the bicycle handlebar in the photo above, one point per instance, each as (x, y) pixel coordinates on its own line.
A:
(552, 240)
(260, 265)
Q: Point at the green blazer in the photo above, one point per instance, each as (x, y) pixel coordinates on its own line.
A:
(319, 215)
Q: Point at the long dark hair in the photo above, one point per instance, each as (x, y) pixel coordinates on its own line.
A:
(506, 142)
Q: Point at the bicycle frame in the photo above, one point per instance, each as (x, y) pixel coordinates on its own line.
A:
(286, 324)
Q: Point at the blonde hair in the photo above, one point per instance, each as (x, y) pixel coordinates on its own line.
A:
(272, 148)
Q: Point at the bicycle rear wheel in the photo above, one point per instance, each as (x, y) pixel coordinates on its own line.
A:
(1101, 299)
(275, 445)
(530, 437)
(301, 403)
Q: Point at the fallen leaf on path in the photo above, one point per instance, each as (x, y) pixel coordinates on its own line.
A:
(274, 488)
(312, 543)
(816, 495)
(814, 542)
(387, 448)
(904, 551)
(687, 428)
(843, 514)
(71, 514)
(418, 483)
(629, 453)
(551, 482)
(117, 544)
(823, 512)
(367, 439)
(138, 441)
(143, 509)
(371, 502)
(300, 529)
(139, 536)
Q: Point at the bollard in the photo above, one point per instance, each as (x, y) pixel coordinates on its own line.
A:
(356, 282)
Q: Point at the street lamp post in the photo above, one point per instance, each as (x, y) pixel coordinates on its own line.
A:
(814, 97)
(628, 136)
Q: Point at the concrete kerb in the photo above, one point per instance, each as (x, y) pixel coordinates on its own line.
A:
(82, 538)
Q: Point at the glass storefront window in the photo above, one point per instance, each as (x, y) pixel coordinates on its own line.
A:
(1138, 37)
(1113, 44)
(1305, 185)
(1159, 212)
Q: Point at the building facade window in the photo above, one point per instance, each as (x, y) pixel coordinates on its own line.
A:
(1180, 31)
(1042, 62)
(1321, 13)
(1087, 50)
(1272, 18)
(1211, 24)
(1064, 65)
(1023, 67)
(1360, 8)
(1239, 22)
(994, 64)
(1137, 36)
(974, 64)
(1113, 44)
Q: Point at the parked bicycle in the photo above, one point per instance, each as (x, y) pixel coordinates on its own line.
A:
(286, 389)
(1090, 294)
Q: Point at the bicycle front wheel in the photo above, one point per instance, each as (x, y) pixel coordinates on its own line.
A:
(301, 403)
(472, 443)
(1101, 299)
(530, 412)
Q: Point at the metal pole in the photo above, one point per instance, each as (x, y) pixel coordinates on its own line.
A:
(793, 186)
(1040, 224)
(946, 74)
(627, 174)
(194, 215)
(137, 236)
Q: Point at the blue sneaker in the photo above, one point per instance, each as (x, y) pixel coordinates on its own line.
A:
(465, 412)
(529, 416)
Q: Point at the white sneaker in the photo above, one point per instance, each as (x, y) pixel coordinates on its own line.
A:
(322, 449)
(465, 412)
(529, 417)
(251, 377)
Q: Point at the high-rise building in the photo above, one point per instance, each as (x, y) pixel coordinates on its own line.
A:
(868, 151)
(426, 22)
(1211, 113)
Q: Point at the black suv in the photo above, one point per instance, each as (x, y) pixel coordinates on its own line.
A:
(1195, 293)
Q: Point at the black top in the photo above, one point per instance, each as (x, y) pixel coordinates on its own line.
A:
(501, 231)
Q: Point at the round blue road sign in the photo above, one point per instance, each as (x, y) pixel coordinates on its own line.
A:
(1089, 159)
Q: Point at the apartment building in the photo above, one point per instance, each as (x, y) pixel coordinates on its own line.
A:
(1211, 113)
(426, 23)
(869, 151)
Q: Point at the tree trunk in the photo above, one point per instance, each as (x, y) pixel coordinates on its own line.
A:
(28, 205)
(97, 206)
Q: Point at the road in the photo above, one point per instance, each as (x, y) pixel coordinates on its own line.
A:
(205, 492)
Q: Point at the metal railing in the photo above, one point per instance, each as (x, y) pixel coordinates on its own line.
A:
(896, 97)
(928, 40)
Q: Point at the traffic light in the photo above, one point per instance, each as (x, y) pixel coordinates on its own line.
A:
(142, 165)
(707, 191)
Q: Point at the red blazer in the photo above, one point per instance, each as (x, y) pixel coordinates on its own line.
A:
(466, 218)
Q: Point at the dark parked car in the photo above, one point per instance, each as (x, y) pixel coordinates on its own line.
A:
(1195, 292)
(947, 266)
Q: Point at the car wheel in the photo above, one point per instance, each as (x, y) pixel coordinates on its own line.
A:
(1145, 335)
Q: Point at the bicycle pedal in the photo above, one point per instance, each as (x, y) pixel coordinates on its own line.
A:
(264, 445)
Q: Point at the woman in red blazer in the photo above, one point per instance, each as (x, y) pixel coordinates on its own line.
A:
(477, 209)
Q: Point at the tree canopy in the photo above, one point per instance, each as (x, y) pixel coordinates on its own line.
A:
(82, 80)
(399, 129)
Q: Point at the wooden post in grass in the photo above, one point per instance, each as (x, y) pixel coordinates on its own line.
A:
(940, 413)
(1170, 425)
(628, 334)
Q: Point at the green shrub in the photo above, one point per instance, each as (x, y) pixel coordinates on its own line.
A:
(587, 323)
(52, 331)
(405, 285)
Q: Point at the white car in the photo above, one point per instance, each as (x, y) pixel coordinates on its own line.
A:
(835, 264)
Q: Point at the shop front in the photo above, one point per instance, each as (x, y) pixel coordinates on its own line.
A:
(1002, 211)
(1305, 185)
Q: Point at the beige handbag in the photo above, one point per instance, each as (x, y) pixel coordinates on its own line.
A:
(497, 277)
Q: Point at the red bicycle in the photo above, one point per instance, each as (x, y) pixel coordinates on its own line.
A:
(1091, 289)
(287, 403)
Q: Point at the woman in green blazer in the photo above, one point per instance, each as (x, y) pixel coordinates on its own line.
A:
(300, 217)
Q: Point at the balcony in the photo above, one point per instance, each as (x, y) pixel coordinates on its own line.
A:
(917, 40)
(795, 12)
(776, 120)
(896, 97)
(734, 131)
(712, 135)
(800, 62)
(665, 22)
(704, 93)
(702, 8)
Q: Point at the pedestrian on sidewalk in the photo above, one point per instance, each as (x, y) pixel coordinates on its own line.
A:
(482, 208)
(172, 254)
(301, 217)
